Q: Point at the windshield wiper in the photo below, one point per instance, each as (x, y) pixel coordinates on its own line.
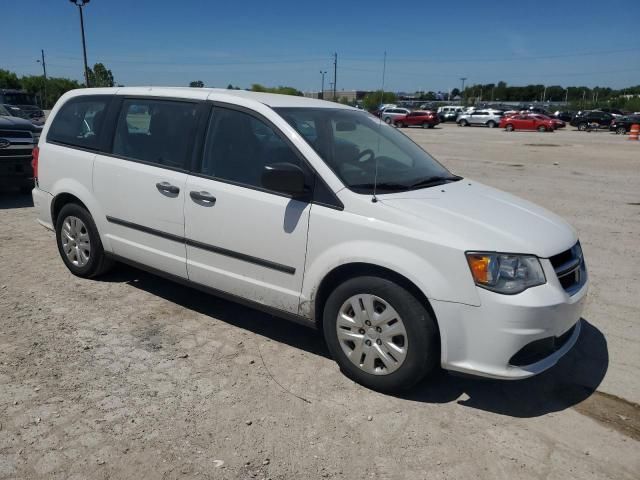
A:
(381, 186)
(433, 181)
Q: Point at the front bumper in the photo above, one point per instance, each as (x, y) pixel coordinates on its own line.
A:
(485, 340)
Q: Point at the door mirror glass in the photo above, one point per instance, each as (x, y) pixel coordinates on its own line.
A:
(284, 178)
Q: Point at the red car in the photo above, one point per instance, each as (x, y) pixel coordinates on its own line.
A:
(526, 122)
(424, 119)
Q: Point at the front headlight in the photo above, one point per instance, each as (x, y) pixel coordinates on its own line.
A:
(504, 272)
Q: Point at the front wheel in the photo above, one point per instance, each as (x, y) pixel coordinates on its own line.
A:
(491, 124)
(509, 127)
(380, 335)
(582, 127)
(79, 243)
(463, 123)
(542, 128)
(387, 120)
(621, 131)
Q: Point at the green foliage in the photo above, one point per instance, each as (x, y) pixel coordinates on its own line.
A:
(56, 87)
(8, 79)
(100, 76)
(256, 87)
(373, 99)
(197, 84)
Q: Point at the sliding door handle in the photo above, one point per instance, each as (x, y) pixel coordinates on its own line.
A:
(204, 197)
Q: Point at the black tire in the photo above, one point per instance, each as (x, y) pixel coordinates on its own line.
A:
(491, 124)
(98, 263)
(423, 351)
(509, 127)
(582, 127)
(621, 131)
(542, 128)
(464, 123)
(400, 125)
(388, 120)
(430, 126)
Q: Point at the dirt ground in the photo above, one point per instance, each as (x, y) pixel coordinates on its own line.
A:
(131, 376)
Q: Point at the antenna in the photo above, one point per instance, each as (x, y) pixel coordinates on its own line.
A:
(374, 199)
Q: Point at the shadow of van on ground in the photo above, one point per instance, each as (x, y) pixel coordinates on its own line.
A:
(571, 381)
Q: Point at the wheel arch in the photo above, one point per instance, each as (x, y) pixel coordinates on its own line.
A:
(346, 271)
(59, 201)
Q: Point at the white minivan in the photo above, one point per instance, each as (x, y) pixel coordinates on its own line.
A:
(316, 212)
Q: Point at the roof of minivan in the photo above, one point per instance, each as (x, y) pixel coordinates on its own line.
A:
(220, 94)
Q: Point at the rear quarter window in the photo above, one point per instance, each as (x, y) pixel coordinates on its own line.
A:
(79, 122)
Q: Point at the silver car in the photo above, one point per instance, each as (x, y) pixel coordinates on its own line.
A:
(390, 114)
(488, 118)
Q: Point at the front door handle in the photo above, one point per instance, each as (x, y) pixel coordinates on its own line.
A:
(167, 188)
(203, 197)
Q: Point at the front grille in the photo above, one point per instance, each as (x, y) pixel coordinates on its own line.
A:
(570, 269)
(15, 134)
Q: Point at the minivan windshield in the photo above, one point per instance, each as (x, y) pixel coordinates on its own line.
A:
(363, 150)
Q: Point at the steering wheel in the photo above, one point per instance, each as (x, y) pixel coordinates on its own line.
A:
(361, 155)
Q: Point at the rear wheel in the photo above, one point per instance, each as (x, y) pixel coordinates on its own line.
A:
(509, 127)
(400, 125)
(491, 124)
(542, 128)
(621, 131)
(380, 335)
(464, 123)
(79, 242)
(388, 120)
(582, 127)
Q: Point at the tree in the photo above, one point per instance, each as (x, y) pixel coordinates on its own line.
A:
(256, 87)
(372, 100)
(196, 84)
(99, 76)
(8, 79)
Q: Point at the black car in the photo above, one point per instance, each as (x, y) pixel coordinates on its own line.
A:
(18, 136)
(586, 118)
(622, 125)
(564, 115)
(20, 104)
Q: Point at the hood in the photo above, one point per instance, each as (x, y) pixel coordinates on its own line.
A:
(478, 217)
(17, 123)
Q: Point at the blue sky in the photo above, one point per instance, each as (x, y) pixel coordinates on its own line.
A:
(429, 45)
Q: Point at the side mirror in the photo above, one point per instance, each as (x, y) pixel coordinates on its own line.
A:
(284, 178)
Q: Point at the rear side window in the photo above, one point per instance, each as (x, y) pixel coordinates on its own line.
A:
(156, 131)
(79, 122)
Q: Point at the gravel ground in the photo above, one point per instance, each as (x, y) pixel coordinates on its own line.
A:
(131, 376)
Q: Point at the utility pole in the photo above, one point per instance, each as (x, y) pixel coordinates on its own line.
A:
(544, 94)
(462, 91)
(566, 97)
(80, 4)
(44, 71)
(321, 96)
(335, 74)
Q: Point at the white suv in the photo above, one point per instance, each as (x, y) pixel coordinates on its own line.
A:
(316, 212)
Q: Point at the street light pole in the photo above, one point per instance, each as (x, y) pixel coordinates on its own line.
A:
(44, 70)
(321, 96)
(80, 4)
(462, 91)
